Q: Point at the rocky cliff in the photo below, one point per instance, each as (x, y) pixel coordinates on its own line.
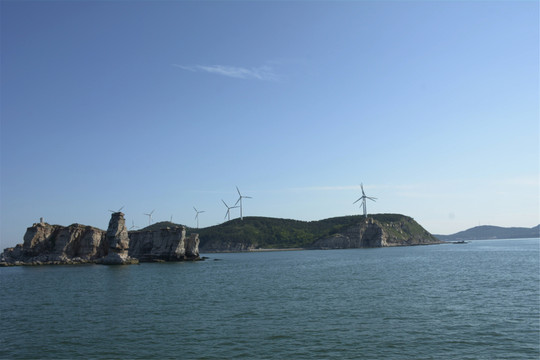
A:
(55, 244)
(371, 233)
(169, 244)
(118, 240)
(74, 244)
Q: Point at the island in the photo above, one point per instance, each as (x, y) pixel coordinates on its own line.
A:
(346, 232)
(166, 241)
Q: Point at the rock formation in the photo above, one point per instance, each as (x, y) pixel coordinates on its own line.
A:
(192, 246)
(169, 244)
(77, 244)
(373, 233)
(118, 240)
(54, 244)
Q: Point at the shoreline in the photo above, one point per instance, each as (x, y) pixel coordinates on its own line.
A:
(281, 249)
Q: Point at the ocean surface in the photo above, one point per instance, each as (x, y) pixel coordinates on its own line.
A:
(479, 300)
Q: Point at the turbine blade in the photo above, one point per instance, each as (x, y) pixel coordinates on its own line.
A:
(238, 191)
(152, 212)
(362, 186)
(237, 201)
(247, 197)
(224, 203)
(194, 208)
(371, 198)
(357, 200)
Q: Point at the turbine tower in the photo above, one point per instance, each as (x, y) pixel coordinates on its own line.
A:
(240, 197)
(149, 217)
(228, 213)
(197, 212)
(363, 198)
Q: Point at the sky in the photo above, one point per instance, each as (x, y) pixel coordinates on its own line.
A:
(169, 105)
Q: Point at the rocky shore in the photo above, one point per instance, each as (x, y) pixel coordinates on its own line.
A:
(372, 233)
(46, 244)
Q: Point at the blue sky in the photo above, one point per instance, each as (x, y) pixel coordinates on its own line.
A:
(434, 106)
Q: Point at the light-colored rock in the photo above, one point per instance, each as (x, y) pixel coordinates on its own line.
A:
(192, 246)
(118, 240)
(79, 244)
(117, 258)
(117, 234)
(168, 244)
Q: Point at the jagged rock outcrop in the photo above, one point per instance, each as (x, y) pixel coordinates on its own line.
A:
(192, 247)
(168, 244)
(77, 244)
(373, 233)
(55, 244)
(118, 240)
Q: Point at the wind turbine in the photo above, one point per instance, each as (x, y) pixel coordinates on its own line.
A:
(363, 198)
(149, 217)
(116, 211)
(240, 201)
(228, 213)
(197, 215)
(132, 225)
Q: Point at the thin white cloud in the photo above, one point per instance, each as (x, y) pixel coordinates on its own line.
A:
(265, 73)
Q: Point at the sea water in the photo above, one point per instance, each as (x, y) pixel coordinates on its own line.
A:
(479, 300)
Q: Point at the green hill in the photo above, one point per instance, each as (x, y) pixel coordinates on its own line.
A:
(339, 232)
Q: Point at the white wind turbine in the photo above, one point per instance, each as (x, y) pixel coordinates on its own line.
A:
(240, 197)
(228, 213)
(363, 198)
(116, 211)
(132, 225)
(197, 215)
(150, 217)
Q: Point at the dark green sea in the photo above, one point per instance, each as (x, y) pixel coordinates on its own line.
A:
(473, 301)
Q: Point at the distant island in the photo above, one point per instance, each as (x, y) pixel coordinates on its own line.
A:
(487, 232)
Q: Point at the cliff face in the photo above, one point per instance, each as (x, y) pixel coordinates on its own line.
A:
(169, 244)
(45, 243)
(118, 240)
(55, 244)
(372, 233)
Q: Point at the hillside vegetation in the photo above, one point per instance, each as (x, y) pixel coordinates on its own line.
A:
(275, 233)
